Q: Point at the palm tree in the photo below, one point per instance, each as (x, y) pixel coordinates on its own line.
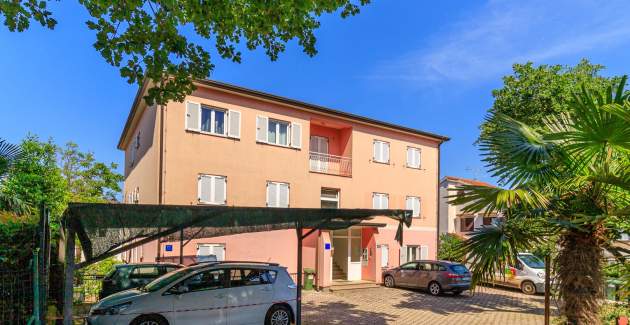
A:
(571, 179)
(9, 155)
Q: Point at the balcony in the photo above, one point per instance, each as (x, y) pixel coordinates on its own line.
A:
(330, 164)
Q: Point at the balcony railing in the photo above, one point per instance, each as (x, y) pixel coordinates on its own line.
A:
(330, 164)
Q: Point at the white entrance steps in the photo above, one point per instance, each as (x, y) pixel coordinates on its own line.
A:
(340, 285)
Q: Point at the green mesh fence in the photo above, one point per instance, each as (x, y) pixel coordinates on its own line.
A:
(105, 229)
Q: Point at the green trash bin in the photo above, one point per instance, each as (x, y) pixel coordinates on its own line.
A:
(309, 275)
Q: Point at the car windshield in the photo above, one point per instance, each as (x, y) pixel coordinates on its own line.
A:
(166, 279)
(459, 269)
(532, 261)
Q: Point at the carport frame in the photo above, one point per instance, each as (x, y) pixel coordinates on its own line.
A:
(290, 218)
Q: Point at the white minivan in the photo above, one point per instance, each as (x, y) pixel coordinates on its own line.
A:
(215, 293)
(528, 274)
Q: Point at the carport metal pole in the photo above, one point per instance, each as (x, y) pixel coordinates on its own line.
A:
(547, 287)
(68, 277)
(298, 309)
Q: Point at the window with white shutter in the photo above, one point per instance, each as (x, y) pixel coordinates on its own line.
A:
(262, 126)
(413, 157)
(234, 124)
(413, 203)
(380, 201)
(381, 151)
(213, 120)
(193, 116)
(277, 195)
(296, 135)
(424, 252)
(212, 189)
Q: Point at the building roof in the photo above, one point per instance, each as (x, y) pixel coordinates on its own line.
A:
(466, 181)
(281, 100)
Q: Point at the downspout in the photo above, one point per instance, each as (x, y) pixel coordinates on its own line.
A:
(437, 246)
(161, 173)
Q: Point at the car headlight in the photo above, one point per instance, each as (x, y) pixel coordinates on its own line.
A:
(541, 275)
(113, 310)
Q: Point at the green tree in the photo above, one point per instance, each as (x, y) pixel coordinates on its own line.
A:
(9, 203)
(147, 39)
(36, 178)
(450, 248)
(87, 179)
(532, 93)
(573, 173)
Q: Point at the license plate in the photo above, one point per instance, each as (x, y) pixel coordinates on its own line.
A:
(466, 278)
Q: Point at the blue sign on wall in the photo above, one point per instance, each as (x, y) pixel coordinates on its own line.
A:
(168, 248)
(327, 246)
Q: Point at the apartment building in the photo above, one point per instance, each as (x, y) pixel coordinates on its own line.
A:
(452, 217)
(227, 145)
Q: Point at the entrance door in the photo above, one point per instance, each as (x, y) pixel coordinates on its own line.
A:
(384, 256)
(347, 254)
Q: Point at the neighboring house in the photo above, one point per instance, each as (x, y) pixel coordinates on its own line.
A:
(452, 218)
(227, 145)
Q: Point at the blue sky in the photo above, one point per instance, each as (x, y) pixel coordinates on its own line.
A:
(427, 65)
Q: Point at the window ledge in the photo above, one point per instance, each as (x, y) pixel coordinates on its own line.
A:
(277, 145)
(225, 136)
(380, 162)
(209, 203)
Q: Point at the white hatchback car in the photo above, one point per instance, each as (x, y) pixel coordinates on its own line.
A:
(209, 293)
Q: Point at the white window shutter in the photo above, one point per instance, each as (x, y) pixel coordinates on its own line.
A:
(272, 194)
(417, 207)
(193, 115)
(296, 135)
(262, 125)
(219, 190)
(283, 195)
(410, 157)
(375, 201)
(204, 188)
(385, 152)
(424, 252)
(376, 151)
(409, 203)
(418, 162)
(384, 201)
(403, 254)
(234, 124)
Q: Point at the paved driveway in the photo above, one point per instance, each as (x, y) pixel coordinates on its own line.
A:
(400, 306)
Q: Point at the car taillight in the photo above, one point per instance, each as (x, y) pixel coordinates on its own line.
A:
(454, 276)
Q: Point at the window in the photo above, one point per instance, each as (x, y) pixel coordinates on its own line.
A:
(381, 152)
(487, 221)
(413, 253)
(135, 146)
(413, 157)
(467, 224)
(380, 201)
(144, 272)
(210, 252)
(249, 277)
(410, 266)
(212, 189)
(213, 120)
(413, 203)
(277, 195)
(329, 198)
(277, 132)
(207, 280)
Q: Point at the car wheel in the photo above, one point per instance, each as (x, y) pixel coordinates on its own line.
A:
(278, 315)
(528, 288)
(389, 281)
(149, 320)
(435, 289)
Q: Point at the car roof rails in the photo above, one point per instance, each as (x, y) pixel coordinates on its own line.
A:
(233, 262)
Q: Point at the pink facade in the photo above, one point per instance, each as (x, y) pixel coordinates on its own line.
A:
(327, 158)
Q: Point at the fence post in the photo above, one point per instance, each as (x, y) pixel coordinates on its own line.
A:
(68, 279)
(35, 318)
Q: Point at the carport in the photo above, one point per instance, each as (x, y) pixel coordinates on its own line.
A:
(105, 229)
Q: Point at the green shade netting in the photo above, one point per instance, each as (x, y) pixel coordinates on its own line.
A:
(105, 227)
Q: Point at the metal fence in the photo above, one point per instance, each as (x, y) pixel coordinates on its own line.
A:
(16, 296)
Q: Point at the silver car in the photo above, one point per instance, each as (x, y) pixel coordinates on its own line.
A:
(435, 276)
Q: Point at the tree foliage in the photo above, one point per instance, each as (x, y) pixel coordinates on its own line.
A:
(450, 248)
(532, 93)
(149, 39)
(573, 172)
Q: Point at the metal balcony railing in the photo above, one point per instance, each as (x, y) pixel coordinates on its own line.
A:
(330, 164)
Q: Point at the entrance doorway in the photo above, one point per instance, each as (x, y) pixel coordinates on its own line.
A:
(346, 257)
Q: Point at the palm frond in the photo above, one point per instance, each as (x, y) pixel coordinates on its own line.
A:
(9, 154)
(13, 204)
(518, 154)
(491, 249)
(490, 199)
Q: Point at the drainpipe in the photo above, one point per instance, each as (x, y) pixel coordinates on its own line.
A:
(437, 246)
(161, 172)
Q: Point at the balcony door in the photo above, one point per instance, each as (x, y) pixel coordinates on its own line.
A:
(319, 153)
